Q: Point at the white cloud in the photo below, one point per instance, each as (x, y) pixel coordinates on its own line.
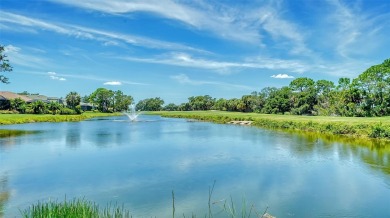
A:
(53, 76)
(282, 76)
(113, 83)
(184, 79)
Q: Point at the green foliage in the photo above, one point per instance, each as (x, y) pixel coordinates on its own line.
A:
(38, 107)
(55, 107)
(74, 208)
(205, 102)
(379, 131)
(110, 101)
(171, 107)
(150, 104)
(4, 65)
(122, 101)
(102, 98)
(18, 104)
(67, 111)
(73, 99)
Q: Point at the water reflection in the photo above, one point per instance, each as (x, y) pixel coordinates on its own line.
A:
(374, 153)
(4, 193)
(11, 137)
(73, 136)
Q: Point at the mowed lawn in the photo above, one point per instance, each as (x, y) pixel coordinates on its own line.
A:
(253, 116)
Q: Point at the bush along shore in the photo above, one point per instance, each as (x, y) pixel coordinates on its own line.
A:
(357, 127)
(8, 119)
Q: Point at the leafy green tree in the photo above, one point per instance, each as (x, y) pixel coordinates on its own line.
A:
(4, 65)
(205, 102)
(150, 104)
(345, 99)
(253, 102)
(220, 104)
(102, 98)
(73, 99)
(122, 101)
(325, 90)
(373, 86)
(184, 107)
(303, 95)
(278, 101)
(171, 107)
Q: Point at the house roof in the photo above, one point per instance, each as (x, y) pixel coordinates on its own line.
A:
(37, 97)
(11, 95)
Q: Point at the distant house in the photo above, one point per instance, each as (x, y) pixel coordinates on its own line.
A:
(86, 106)
(35, 98)
(5, 98)
(55, 99)
(45, 99)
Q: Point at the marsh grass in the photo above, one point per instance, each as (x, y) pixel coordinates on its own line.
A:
(74, 209)
(87, 209)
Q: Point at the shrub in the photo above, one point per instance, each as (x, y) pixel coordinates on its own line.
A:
(67, 111)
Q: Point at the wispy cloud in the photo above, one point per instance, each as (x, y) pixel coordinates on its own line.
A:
(82, 76)
(106, 37)
(184, 79)
(282, 76)
(217, 18)
(53, 76)
(17, 56)
(283, 30)
(186, 60)
(357, 31)
(113, 83)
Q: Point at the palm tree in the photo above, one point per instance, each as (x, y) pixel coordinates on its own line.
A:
(73, 99)
(38, 107)
(54, 107)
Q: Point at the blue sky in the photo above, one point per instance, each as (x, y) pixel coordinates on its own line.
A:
(177, 49)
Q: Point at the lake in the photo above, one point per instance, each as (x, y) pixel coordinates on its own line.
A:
(139, 164)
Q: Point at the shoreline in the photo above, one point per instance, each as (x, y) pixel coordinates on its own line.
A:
(366, 128)
(11, 119)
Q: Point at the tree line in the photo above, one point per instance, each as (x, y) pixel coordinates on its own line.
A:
(102, 100)
(368, 95)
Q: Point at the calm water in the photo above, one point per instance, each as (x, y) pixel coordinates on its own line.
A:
(138, 164)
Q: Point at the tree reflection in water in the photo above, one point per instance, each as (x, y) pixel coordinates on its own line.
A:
(4, 193)
(374, 153)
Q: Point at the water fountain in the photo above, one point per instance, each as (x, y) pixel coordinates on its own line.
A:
(131, 113)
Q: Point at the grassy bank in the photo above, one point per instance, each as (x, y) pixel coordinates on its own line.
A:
(361, 127)
(7, 119)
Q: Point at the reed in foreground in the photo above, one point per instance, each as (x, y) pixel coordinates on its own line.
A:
(74, 209)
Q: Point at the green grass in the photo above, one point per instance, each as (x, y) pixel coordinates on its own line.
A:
(7, 119)
(358, 127)
(73, 209)
(88, 209)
